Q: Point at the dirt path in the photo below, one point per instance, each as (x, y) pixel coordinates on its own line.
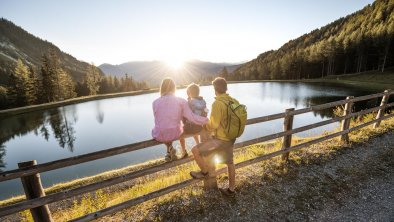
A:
(352, 184)
(373, 200)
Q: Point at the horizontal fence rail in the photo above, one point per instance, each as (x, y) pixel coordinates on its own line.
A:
(13, 174)
(43, 200)
(152, 195)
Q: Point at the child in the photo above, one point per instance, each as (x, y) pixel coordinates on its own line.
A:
(199, 107)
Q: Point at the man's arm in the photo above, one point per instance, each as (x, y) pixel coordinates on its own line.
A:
(215, 118)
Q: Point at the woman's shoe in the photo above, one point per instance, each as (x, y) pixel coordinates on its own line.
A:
(184, 155)
(167, 158)
(171, 154)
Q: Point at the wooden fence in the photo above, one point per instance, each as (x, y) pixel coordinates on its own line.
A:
(37, 201)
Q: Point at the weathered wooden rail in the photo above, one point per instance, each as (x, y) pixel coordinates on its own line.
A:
(37, 200)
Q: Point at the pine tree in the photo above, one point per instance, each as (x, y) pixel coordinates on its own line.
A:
(127, 83)
(67, 85)
(46, 80)
(93, 79)
(117, 84)
(3, 97)
(224, 73)
(21, 89)
(57, 83)
(31, 87)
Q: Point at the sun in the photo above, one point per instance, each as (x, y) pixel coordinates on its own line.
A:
(174, 62)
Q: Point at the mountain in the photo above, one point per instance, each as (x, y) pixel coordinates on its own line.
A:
(361, 41)
(154, 71)
(16, 43)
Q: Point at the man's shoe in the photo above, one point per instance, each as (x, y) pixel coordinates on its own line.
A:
(227, 192)
(198, 174)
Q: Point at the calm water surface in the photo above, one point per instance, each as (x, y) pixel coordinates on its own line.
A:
(91, 126)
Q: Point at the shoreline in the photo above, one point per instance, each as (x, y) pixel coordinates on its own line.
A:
(26, 109)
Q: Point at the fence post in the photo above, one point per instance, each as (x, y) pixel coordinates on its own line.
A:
(287, 125)
(385, 99)
(33, 189)
(210, 182)
(346, 122)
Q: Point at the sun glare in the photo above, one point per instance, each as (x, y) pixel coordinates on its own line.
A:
(175, 63)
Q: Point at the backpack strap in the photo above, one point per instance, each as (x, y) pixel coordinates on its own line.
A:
(226, 103)
(228, 114)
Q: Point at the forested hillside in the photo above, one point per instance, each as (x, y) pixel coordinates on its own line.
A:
(362, 41)
(16, 43)
(34, 71)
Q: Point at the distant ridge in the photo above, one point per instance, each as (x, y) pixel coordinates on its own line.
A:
(154, 71)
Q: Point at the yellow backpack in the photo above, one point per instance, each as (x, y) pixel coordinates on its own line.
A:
(235, 123)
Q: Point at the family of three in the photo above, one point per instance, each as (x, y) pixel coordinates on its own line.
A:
(176, 118)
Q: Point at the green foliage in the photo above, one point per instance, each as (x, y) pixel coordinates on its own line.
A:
(360, 42)
(338, 111)
(127, 83)
(93, 79)
(56, 83)
(224, 73)
(3, 97)
(22, 88)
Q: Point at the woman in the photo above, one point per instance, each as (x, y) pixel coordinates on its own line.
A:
(169, 111)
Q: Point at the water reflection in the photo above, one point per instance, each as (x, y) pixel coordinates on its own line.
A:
(80, 128)
(2, 155)
(60, 121)
(305, 95)
(99, 112)
(62, 128)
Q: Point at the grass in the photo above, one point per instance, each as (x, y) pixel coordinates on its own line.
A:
(373, 80)
(68, 209)
(86, 180)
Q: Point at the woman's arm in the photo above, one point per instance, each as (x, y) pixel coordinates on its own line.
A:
(188, 114)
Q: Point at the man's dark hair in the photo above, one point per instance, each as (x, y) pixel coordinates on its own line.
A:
(220, 85)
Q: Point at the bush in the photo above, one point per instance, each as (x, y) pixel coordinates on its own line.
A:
(3, 97)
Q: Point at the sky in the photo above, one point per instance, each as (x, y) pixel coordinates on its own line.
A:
(118, 31)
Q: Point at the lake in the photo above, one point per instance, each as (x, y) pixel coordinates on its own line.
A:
(96, 125)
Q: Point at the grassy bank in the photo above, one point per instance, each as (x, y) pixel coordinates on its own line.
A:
(374, 80)
(44, 106)
(68, 209)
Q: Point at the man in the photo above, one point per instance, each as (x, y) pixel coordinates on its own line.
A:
(219, 143)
